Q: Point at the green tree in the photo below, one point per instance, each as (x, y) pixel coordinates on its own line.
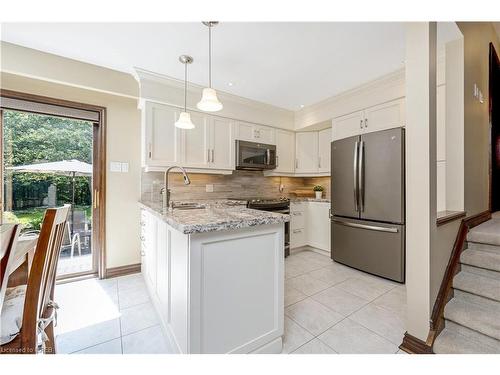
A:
(33, 138)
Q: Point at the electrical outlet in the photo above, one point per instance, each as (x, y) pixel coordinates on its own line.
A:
(209, 188)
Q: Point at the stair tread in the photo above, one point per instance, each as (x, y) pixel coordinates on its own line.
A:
(482, 259)
(487, 232)
(476, 284)
(451, 342)
(479, 318)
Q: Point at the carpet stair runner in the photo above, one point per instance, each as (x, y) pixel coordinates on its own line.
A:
(472, 316)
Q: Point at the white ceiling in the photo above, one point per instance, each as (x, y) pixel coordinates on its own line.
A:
(283, 64)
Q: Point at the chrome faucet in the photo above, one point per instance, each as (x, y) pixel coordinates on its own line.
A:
(166, 189)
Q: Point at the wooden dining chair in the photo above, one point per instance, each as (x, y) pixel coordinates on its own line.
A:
(39, 311)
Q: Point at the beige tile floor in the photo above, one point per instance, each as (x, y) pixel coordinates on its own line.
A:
(329, 308)
(111, 316)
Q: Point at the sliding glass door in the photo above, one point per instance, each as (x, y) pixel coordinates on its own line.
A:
(50, 160)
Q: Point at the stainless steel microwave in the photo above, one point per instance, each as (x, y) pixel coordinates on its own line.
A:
(255, 156)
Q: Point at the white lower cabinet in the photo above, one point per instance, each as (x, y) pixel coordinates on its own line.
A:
(310, 224)
(216, 292)
(318, 225)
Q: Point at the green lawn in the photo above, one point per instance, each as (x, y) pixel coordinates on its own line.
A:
(32, 218)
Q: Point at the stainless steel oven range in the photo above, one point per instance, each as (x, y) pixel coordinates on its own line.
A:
(278, 205)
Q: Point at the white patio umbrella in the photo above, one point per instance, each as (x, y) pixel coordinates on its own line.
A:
(64, 167)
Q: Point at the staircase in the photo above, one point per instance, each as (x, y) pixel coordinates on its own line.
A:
(472, 316)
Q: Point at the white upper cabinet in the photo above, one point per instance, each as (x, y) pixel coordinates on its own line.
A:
(306, 152)
(162, 138)
(380, 117)
(255, 133)
(208, 147)
(221, 143)
(285, 151)
(195, 143)
(324, 142)
(384, 116)
(348, 125)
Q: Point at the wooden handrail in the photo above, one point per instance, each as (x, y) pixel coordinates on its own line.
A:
(414, 345)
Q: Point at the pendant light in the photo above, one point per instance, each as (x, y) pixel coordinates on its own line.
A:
(209, 101)
(184, 121)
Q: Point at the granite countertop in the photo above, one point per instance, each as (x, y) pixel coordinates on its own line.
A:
(216, 216)
(310, 199)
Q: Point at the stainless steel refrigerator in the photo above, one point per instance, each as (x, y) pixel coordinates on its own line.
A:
(368, 203)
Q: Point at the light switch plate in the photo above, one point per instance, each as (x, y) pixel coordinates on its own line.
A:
(209, 188)
(115, 166)
(124, 167)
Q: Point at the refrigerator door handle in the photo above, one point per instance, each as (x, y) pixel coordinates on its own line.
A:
(361, 176)
(355, 183)
(363, 226)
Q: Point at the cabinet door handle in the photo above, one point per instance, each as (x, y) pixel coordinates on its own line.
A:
(296, 163)
(212, 155)
(208, 155)
(361, 124)
(366, 122)
(297, 230)
(150, 150)
(319, 161)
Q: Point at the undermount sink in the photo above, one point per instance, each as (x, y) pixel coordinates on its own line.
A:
(188, 206)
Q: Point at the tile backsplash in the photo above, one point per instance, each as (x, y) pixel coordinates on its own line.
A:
(240, 184)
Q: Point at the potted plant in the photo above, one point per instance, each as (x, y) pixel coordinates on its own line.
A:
(318, 190)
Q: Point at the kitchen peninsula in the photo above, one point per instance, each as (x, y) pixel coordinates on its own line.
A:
(215, 274)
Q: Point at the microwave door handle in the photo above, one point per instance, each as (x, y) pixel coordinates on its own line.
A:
(268, 156)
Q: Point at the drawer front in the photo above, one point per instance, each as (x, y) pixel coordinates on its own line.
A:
(297, 238)
(298, 220)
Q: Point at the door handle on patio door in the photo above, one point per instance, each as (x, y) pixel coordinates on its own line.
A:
(96, 198)
(355, 173)
(361, 176)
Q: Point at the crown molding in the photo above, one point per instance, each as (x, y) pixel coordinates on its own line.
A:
(142, 75)
(383, 89)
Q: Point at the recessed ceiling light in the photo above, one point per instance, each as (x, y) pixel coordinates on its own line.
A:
(302, 106)
(230, 83)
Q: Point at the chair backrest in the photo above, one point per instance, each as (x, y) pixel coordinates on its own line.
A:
(8, 239)
(42, 276)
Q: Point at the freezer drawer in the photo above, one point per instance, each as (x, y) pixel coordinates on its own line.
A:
(370, 246)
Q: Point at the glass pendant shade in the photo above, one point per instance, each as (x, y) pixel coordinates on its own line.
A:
(184, 121)
(209, 101)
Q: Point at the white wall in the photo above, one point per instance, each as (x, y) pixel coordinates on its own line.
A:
(123, 134)
(420, 171)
